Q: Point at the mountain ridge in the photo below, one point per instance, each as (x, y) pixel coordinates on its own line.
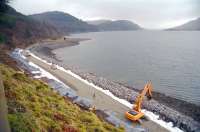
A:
(68, 23)
(117, 25)
(97, 22)
(191, 25)
(64, 22)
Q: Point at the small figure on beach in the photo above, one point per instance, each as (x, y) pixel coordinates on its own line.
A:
(53, 66)
(94, 95)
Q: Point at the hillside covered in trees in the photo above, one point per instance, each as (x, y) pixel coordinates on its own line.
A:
(19, 30)
(64, 22)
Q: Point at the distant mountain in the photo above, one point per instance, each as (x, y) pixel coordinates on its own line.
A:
(108, 25)
(17, 29)
(97, 22)
(67, 23)
(64, 22)
(192, 25)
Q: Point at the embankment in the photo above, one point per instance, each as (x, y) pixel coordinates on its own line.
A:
(34, 106)
(78, 92)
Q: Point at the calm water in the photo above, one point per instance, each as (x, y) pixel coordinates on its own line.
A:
(170, 59)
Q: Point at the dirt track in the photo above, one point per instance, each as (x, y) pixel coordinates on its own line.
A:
(101, 101)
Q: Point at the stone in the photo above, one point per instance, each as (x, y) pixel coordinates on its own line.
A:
(83, 102)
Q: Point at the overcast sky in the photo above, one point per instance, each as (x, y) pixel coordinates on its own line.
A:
(152, 14)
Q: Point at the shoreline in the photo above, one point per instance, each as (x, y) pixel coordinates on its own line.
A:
(118, 106)
(104, 100)
(119, 90)
(184, 107)
(46, 47)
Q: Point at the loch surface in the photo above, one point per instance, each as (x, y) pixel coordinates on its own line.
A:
(170, 59)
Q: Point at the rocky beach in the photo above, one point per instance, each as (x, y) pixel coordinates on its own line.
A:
(184, 115)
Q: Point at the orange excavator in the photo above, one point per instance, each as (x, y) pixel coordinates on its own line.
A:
(135, 114)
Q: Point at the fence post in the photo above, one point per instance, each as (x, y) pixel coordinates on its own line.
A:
(4, 124)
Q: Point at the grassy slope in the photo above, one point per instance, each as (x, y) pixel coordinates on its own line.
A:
(34, 106)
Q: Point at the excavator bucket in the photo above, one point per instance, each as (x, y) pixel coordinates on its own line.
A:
(136, 114)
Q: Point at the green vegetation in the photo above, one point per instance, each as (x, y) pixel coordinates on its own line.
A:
(2, 38)
(7, 20)
(34, 106)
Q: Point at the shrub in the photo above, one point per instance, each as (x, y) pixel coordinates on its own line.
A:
(22, 122)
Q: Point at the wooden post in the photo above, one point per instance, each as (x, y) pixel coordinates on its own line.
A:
(4, 124)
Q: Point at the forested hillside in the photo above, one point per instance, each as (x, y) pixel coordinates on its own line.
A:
(64, 22)
(19, 30)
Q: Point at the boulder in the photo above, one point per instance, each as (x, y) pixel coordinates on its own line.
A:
(83, 102)
(71, 94)
(111, 118)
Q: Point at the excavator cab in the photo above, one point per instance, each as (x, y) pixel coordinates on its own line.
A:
(135, 114)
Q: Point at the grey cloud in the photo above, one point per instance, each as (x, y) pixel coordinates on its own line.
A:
(147, 13)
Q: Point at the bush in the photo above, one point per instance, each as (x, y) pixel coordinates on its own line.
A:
(22, 123)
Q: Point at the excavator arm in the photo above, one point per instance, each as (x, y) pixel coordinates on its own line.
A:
(146, 91)
(136, 113)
